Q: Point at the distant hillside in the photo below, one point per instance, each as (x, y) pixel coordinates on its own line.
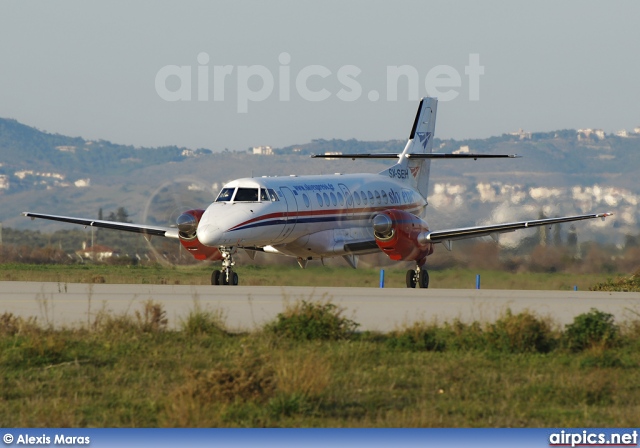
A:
(560, 172)
(559, 154)
(26, 151)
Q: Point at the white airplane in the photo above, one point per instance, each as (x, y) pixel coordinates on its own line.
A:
(321, 216)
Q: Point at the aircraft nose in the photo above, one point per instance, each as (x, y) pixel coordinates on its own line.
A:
(209, 234)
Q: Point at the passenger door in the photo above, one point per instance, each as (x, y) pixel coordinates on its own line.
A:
(291, 217)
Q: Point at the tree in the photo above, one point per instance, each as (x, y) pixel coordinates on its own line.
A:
(120, 215)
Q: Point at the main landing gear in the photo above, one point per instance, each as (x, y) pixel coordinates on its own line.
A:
(418, 277)
(226, 276)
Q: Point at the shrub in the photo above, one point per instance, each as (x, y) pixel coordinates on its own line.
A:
(594, 329)
(521, 333)
(312, 321)
(11, 325)
(461, 336)
(201, 322)
(418, 337)
(152, 319)
(623, 284)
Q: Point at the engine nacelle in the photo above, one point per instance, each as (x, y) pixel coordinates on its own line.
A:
(402, 236)
(187, 227)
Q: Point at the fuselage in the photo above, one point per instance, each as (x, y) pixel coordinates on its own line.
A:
(304, 216)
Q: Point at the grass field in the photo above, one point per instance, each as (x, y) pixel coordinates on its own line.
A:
(311, 368)
(276, 275)
(130, 371)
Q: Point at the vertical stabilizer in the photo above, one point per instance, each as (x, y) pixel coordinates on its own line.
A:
(416, 171)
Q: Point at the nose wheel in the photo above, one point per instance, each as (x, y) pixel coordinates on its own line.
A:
(226, 276)
(417, 278)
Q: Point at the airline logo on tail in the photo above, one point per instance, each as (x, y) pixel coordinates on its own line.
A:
(414, 171)
(424, 138)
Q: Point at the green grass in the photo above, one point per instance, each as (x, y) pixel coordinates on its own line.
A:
(277, 275)
(131, 371)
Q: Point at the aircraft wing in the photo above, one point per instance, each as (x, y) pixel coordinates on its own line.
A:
(438, 236)
(169, 232)
(448, 235)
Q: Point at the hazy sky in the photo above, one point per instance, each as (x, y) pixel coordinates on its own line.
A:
(91, 68)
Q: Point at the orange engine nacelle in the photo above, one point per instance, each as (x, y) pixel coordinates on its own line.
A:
(187, 227)
(401, 236)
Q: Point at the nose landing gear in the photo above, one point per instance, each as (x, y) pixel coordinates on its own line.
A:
(226, 276)
(418, 277)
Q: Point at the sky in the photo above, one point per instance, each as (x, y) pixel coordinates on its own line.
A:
(236, 74)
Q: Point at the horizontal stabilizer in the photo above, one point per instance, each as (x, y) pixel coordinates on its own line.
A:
(431, 155)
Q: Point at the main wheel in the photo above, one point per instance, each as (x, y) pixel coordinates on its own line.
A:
(215, 277)
(411, 278)
(424, 278)
(234, 279)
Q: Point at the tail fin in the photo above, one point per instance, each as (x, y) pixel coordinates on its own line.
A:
(415, 171)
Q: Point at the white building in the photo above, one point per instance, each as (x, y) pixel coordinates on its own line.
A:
(584, 134)
(262, 150)
(522, 135)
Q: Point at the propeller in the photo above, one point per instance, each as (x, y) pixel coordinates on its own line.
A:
(166, 207)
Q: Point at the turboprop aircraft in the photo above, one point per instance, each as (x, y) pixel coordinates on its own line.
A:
(321, 216)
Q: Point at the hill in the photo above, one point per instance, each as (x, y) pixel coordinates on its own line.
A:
(565, 171)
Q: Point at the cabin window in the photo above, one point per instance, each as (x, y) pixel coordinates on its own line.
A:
(319, 198)
(356, 196)
(334, 201)
(340, 199)
(385, 198)
(246, 195)
(225, 195)
(370, 197)
(325, 196)
(274, 196)
(349, 199)
(306, 200)
(264, 196)
(364, 197)
(378, 200)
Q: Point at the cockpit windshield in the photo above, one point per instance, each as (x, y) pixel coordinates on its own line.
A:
(246, 195)
(225, 195)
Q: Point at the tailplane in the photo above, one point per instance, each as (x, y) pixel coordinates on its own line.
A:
(414, 162)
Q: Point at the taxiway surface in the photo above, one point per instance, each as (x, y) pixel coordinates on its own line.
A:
(249, 307)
